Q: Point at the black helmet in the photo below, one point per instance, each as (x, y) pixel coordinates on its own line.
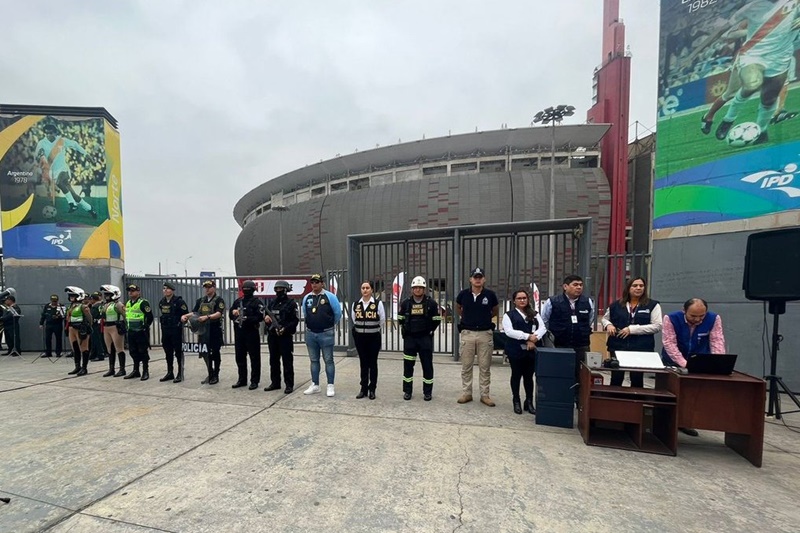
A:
(282, 285)
(249, 286)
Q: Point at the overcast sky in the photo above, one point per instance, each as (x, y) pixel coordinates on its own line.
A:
(214, 98)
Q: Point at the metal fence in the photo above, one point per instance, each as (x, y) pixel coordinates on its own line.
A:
(513, 259)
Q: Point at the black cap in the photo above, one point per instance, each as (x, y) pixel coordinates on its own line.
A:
(315, 277)
(133, 287)
(168, 285)
(54, 297)
(50, 128)
(477, 271)
(209, 283)
(96, 296)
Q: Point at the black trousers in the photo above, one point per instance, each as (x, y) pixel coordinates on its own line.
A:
(211, 351)
(281, 348)
(11, 331)
(49, 331)
(522, 368)
(138, 343)
(248, 343)
(618, 376)
(96, 345)
(422, 346)
(172, 342)
(368, 346)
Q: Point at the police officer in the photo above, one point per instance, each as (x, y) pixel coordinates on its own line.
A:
(52, 321)
(172, 308)
(11, 314)
(96, 348)
(79, 320)
(419, 317)
(139, 318)
(247, 313)
(113, 312)
(282, 321)
(209, 310)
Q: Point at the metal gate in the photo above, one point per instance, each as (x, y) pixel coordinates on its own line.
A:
(513, 255)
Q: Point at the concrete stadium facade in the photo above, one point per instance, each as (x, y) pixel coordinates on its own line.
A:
(484, 177)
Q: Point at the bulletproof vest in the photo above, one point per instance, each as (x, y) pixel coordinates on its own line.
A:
(418, 320)
(170, 312)
(134, 315)
(366, 320)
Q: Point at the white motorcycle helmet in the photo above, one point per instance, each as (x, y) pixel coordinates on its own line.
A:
(71, 291)
(111, 292)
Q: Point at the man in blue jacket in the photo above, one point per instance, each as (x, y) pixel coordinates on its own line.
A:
(322, 311)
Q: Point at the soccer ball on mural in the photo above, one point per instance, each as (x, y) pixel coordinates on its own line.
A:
(743, 134)
(49, 212)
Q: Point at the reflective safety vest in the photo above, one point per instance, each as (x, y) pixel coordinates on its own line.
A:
(111, 313)
(76, 314)
(134, 315)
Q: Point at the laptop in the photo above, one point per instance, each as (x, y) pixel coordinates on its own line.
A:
(711, 363)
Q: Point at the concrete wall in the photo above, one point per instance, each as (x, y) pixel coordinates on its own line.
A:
(35, 284)
(315, 232)
(711, 267)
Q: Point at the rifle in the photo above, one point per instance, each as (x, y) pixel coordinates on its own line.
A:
(275, 325)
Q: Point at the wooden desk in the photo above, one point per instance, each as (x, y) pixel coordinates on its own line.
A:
(733, 404)
(627, 418)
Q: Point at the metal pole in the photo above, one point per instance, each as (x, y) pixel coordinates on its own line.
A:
(551, 258)
(280, 238)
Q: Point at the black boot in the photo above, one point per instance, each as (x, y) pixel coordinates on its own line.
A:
(84, 370)
(145, 370)
(77, 357)
(112, 358)
(214, 378)
(528, 407)
(179, 377)
(168, 376)
(517, 406)
(121, 372)
(135, 372)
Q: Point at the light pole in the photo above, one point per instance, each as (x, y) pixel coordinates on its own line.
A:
(280, 209)
(185, 270)
(551, 115)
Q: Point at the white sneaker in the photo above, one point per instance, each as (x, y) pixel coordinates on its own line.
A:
(312, 389)
(330, 390)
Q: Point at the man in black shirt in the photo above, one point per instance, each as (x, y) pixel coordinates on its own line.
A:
(52, 321)
(476, 306)
(172, 308)
(247, 313)
(282, 321)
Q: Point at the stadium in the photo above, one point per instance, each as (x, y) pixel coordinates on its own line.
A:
(299, 222)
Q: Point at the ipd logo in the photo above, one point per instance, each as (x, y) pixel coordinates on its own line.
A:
(776, 181)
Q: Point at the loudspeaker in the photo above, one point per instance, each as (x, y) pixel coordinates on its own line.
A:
(772, 265)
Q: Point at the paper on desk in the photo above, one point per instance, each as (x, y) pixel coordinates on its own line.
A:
(639, 360)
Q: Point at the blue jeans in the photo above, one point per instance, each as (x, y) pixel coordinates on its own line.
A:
(324, 342)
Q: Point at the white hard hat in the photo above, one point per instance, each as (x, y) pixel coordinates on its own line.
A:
(419, 281)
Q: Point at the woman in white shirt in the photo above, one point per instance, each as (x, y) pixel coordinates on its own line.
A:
(523, 329)
(368, 320)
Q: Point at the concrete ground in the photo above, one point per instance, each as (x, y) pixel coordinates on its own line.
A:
(96, 454)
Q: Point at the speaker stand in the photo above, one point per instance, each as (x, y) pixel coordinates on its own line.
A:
(776, 309)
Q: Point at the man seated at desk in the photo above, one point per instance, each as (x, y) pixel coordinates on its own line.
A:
(693, 330)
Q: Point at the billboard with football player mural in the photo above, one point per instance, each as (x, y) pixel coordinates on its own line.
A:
(60, 188)
(728, 146)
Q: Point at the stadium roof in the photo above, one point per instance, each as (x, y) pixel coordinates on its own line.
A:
(58, 111)
(482, 143)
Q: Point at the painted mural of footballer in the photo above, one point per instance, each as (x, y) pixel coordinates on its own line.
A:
(50, 155)
(763, 65)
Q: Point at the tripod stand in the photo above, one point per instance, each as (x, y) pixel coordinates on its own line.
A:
(777, 308)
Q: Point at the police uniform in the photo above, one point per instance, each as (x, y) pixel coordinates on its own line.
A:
(53, 321)
(281, 343)
(96, 346)
(247, 338)
(172, 310)
(11, 314)
(418, 321)
(211, 339)
(139, 318)
(367, 338)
